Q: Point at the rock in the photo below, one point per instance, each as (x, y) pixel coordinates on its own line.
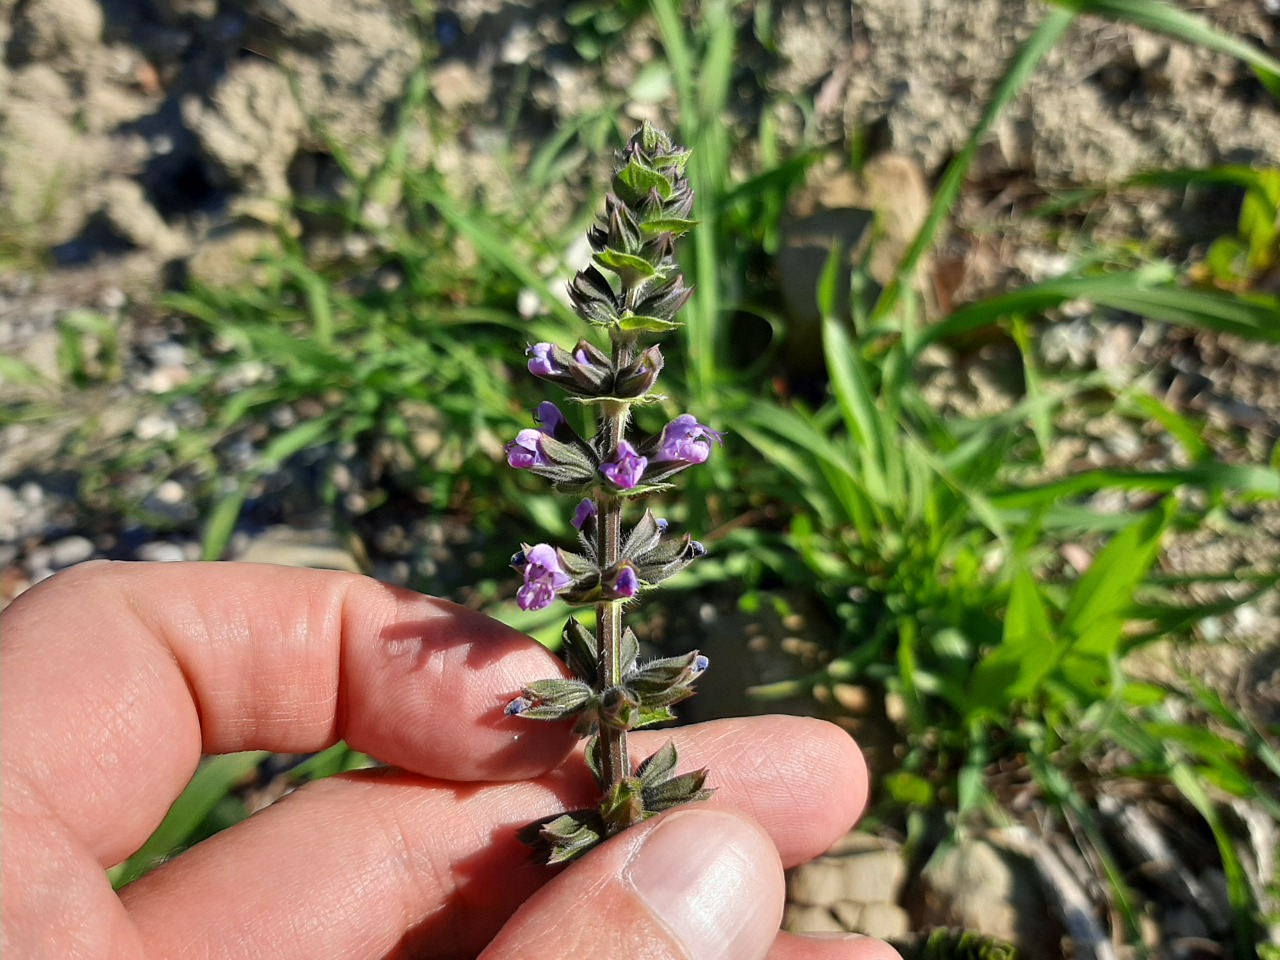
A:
(352, 61)
(981, 887)
(161, 551)
(226, 256)
(872, 876)
(318, 549)
(837, 207)
(250, 128)
(69, 551)
(131, 217)
(883, 920)
(804, 919)
(456, 85)
(56, 31)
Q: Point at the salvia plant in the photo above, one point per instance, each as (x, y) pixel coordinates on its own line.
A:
(632, 291)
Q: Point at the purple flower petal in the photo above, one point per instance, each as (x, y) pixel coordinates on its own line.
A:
(524, 451)
(517, 706)
(685, 439)
(543, 578)
(585, 510)
(627, 583)
(548, 417)
(625, 468)
(700, 664)
(542, 360)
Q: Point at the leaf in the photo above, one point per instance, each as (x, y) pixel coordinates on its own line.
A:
(634, 181)
(672, 225)
(636, 324)
(626, 265)
(1015, 668)
(1099, 600)
(1133, 292)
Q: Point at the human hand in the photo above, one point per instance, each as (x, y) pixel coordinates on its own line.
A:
(116, 677)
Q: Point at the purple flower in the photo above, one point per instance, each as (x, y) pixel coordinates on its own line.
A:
(685, 439)
(626, 584)
(542, 360)
(699, 665)
(625, 468)
(543, 577)
(548, 417)
(585, 510)
(517, 706)
(525, 451)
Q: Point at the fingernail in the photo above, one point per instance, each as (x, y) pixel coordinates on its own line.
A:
(714, 881)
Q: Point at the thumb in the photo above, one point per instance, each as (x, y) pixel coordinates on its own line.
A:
(698, 883)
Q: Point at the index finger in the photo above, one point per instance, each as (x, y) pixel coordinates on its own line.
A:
(117, 676)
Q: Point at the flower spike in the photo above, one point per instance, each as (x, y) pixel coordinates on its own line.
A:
(632, 289)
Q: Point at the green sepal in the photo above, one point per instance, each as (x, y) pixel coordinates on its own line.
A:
(673, 225)
(624, 804)
(648, 716)
(642, 539)
(658, 677)
(627, 266)
(563, 837)
(619, 708)
(556, 699)
(633, 182)
(592, 757)
(631, 323)
(628, 651)
(578, 646)
(654, 768)
(686, 788)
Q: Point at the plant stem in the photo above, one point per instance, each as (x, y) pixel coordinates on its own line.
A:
(614, 761)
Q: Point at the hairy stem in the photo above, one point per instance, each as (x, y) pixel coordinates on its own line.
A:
(614, 761)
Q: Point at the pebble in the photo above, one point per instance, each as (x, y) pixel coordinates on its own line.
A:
(69, 551)
(161, 551)
(155, 426)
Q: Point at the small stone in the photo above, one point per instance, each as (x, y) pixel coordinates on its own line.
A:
(802, 919)
(161, 551)
(69, 551)
(871, 877)
(851, 697)
(884, 920)
(849, 913)
(155, 426)
(317, 549)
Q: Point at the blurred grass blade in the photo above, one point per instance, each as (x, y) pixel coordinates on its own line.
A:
(1249, 479)
(1100, 598)
(1238, 893)
(1024, 64)
(492, 247)
(226, 512)
(1026, 654)
(1174, 22)
(861, 417)
(214, 779)
(1201, 310)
